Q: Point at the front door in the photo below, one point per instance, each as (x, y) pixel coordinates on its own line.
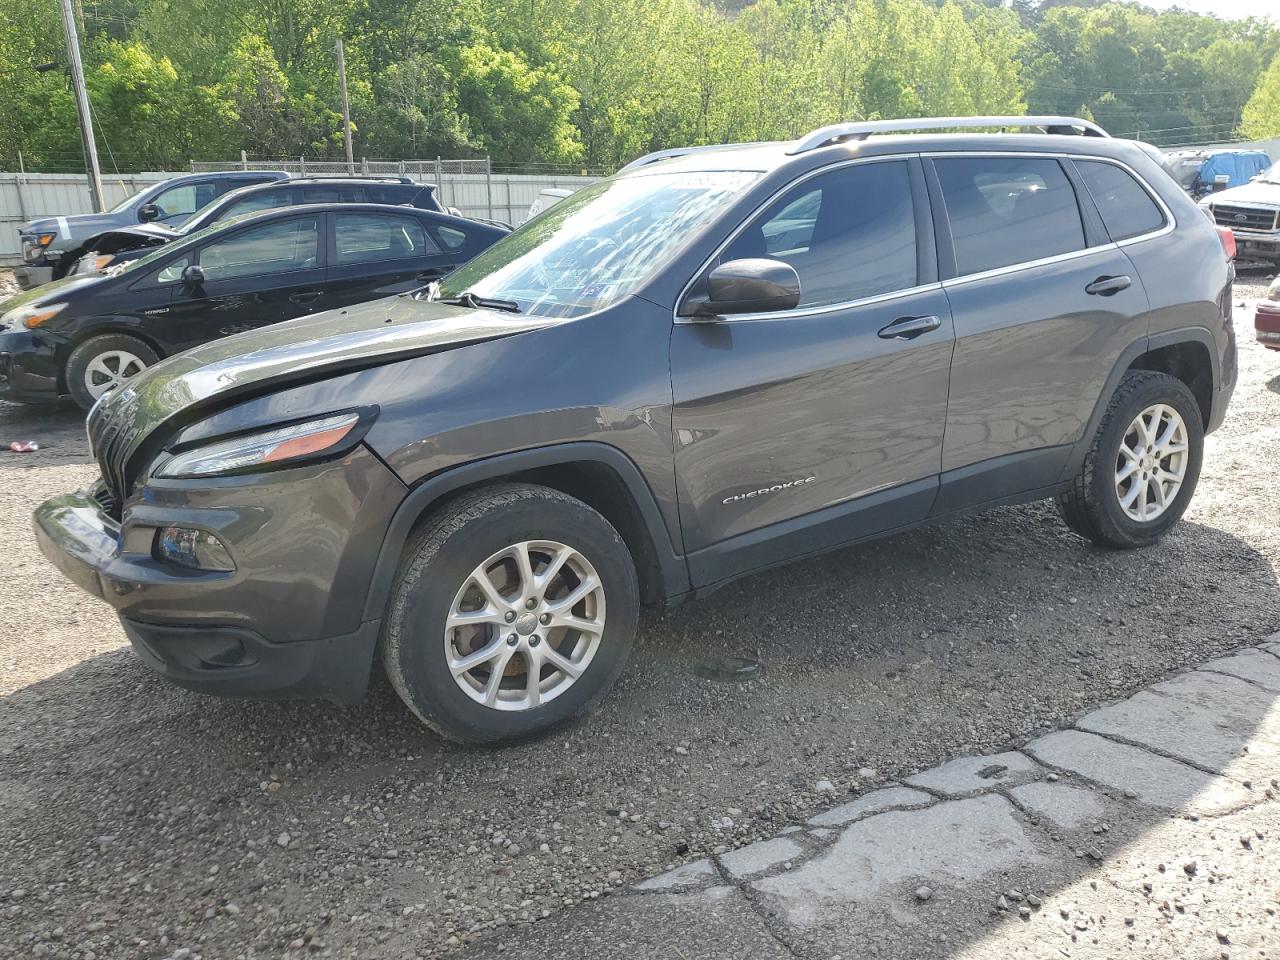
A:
(799, 430)
(381, 254)
(254, 276)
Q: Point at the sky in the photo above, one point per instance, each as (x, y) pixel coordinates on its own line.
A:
(1227, 9)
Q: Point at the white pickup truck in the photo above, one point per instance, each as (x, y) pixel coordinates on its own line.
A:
(1252, 212)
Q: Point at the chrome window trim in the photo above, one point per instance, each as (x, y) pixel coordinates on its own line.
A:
(750, 218)
(1169, 226)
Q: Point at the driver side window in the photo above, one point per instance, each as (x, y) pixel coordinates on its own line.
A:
(185, 200)
(850, 233)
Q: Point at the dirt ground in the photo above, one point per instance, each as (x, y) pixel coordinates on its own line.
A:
(139, 820)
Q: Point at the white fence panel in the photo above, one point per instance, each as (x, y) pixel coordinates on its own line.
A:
(24, 197)
(498, 196)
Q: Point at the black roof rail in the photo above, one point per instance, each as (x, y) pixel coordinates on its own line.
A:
(860, 130)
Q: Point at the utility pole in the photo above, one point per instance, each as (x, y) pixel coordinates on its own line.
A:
(82, 107)
(346, 111)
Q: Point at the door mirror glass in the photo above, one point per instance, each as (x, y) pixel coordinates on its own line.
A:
(757, 285)
(193, 277)
(148, 212)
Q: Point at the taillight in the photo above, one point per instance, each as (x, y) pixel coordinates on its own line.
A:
(1228, 242)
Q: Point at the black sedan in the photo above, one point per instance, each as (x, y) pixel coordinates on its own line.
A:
(81, 336)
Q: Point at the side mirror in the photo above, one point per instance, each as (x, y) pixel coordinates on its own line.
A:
(749, 286)
(148, 212)
(193, 277)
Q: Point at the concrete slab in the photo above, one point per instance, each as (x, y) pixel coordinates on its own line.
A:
(969, 775)
(877, 801)
(1209, 719)
(761, 856)
(1254, 665)
(878, 861)
(1060, 805)
(1157, 781)
(699, 873)
(706, 924)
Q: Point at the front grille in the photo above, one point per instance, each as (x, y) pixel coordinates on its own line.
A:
(108, 430)
(1245, 218)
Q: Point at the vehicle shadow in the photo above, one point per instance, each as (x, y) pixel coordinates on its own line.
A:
(889, 657)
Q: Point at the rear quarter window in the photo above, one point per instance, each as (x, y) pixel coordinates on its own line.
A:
(1008, 210)
(1127, 209)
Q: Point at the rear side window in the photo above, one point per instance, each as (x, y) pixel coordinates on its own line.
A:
(1127, 209)
(849, 233)
(332, 193)
(394, 194)
(1007, 210)
(362, 237)
(452, 238)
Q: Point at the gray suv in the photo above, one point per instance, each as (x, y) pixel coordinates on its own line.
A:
(713, 363)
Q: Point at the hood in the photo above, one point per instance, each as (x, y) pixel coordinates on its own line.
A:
(131, 238)
(1261, 192)
(75, 227)
(180, 389)
(52, 292)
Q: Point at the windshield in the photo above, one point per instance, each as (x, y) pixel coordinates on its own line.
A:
(128, 201)
(182, 243)
(594, 248)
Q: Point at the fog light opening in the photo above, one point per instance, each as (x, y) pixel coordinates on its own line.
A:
(193, 549)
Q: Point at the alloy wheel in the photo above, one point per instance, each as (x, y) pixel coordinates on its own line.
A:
(525, 625)
(1152, 462)
(110, 369)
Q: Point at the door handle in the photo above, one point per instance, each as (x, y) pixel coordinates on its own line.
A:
(906, 328)
(305, 296)
(1108, 286)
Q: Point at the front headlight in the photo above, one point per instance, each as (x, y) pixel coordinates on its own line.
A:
(31, 315)
(269, 449)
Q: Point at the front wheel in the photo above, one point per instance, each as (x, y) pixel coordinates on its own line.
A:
(515, 608)
(1141, 470)
(104, 362)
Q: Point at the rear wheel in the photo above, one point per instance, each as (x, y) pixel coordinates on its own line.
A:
(1141, 471)
(514, 609)
(103, 363)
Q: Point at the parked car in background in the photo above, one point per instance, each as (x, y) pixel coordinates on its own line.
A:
(50, 245)
(680, 375)
(1201, 172)
(121, 245)
(547, 198)
(80, 336)
(1252, 213)
(1266, 317)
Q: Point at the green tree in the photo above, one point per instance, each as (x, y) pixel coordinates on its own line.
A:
(1262, 113)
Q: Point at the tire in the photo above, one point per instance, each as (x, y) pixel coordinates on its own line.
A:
(94, 359)
(437, 578)
(1093, 505)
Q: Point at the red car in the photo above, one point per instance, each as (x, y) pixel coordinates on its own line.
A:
(1266, 320)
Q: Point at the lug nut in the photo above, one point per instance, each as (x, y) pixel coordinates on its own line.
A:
(545, 619)
(512, 640)
(534, 640)
(511, 615)
(530, 603)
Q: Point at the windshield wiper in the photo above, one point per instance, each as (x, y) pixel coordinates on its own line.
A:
(476, 302)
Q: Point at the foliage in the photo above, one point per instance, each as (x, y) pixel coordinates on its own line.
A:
(596, 82)
(1262, 112)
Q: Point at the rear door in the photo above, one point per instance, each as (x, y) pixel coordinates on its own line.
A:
(1043, 304)
(377, 254)
(255, 275)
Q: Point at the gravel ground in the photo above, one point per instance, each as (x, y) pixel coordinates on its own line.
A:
(139, 820)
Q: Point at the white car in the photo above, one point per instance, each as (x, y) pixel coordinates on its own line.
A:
(1252, 213)
(547, 198)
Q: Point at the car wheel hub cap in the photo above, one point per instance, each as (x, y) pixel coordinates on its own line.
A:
(110, 369)
(525, 625)
(1151, 463)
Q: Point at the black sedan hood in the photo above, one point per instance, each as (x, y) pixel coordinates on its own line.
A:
(131, 238)
(182, 388)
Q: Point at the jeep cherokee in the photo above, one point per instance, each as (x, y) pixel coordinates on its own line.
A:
(716, 361)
